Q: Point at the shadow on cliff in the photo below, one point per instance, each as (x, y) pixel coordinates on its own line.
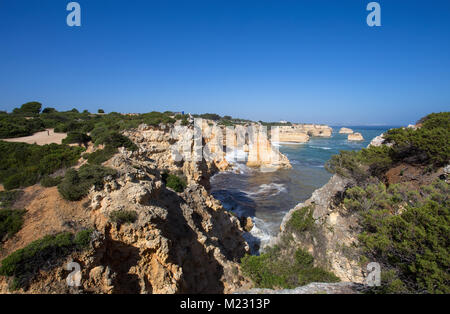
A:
(241, 205)
(120, 257)
(202, 273)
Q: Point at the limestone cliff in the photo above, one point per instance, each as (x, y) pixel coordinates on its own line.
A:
(180, 242)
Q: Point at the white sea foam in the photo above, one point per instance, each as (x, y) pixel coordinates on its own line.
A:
(321, 147)
(266, 190)
(259, 236)
(277, 144)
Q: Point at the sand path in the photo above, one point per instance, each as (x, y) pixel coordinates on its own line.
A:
(41, 138)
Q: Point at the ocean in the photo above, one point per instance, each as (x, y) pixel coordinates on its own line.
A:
(268, 196)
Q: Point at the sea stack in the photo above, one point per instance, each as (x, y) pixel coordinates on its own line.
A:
(345, 131)
(355, 137)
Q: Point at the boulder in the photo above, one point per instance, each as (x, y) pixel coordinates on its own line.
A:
(355, 137)
(345, 131)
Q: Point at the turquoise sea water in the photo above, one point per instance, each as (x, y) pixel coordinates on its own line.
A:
(267, 197)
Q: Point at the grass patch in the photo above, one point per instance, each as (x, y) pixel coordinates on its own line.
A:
(42, 254)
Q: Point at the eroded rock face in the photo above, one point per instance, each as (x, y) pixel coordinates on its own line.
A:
(180, 242)
(335, 230)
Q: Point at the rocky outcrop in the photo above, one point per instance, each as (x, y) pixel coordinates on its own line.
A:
(335, 230)
(345, 131)
(263, 155)
(377, 141)
(294, 131)
(355, 137)
(292, 135)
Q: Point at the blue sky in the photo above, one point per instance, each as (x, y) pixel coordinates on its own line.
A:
(302, 61)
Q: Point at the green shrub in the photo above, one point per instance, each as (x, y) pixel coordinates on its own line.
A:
(29, 109)
(174, 182)
(76, 138)
(411, 243)
(11, 221)
(428, 144)
(76, 184)
(48, 181)
(301, 220)
(123, 216)
(42, 254)
(278, 269)
(100, 156)
(83, 238)
(17, 126)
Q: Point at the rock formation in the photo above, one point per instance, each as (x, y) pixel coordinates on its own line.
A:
(334, 233)
(294, 131)
(180, 242)
(293, 135)
(355, 137)
(345, 131)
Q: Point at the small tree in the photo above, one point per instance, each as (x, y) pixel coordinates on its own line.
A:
(30, 108)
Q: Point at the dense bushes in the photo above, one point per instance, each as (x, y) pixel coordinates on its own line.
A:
(76, 138)
(18, 126)
(427, 144)
(11, 221)
(48, 181)
(76, 184)
(7, 198)
(407, 232)
(116, 140)
(100, 156)
(23, 164)
(123, 216)
(41, 254)
(29, 109)
(277, 269)
(174, 182)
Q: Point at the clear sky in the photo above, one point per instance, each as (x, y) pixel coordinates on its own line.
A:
(299, 60)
